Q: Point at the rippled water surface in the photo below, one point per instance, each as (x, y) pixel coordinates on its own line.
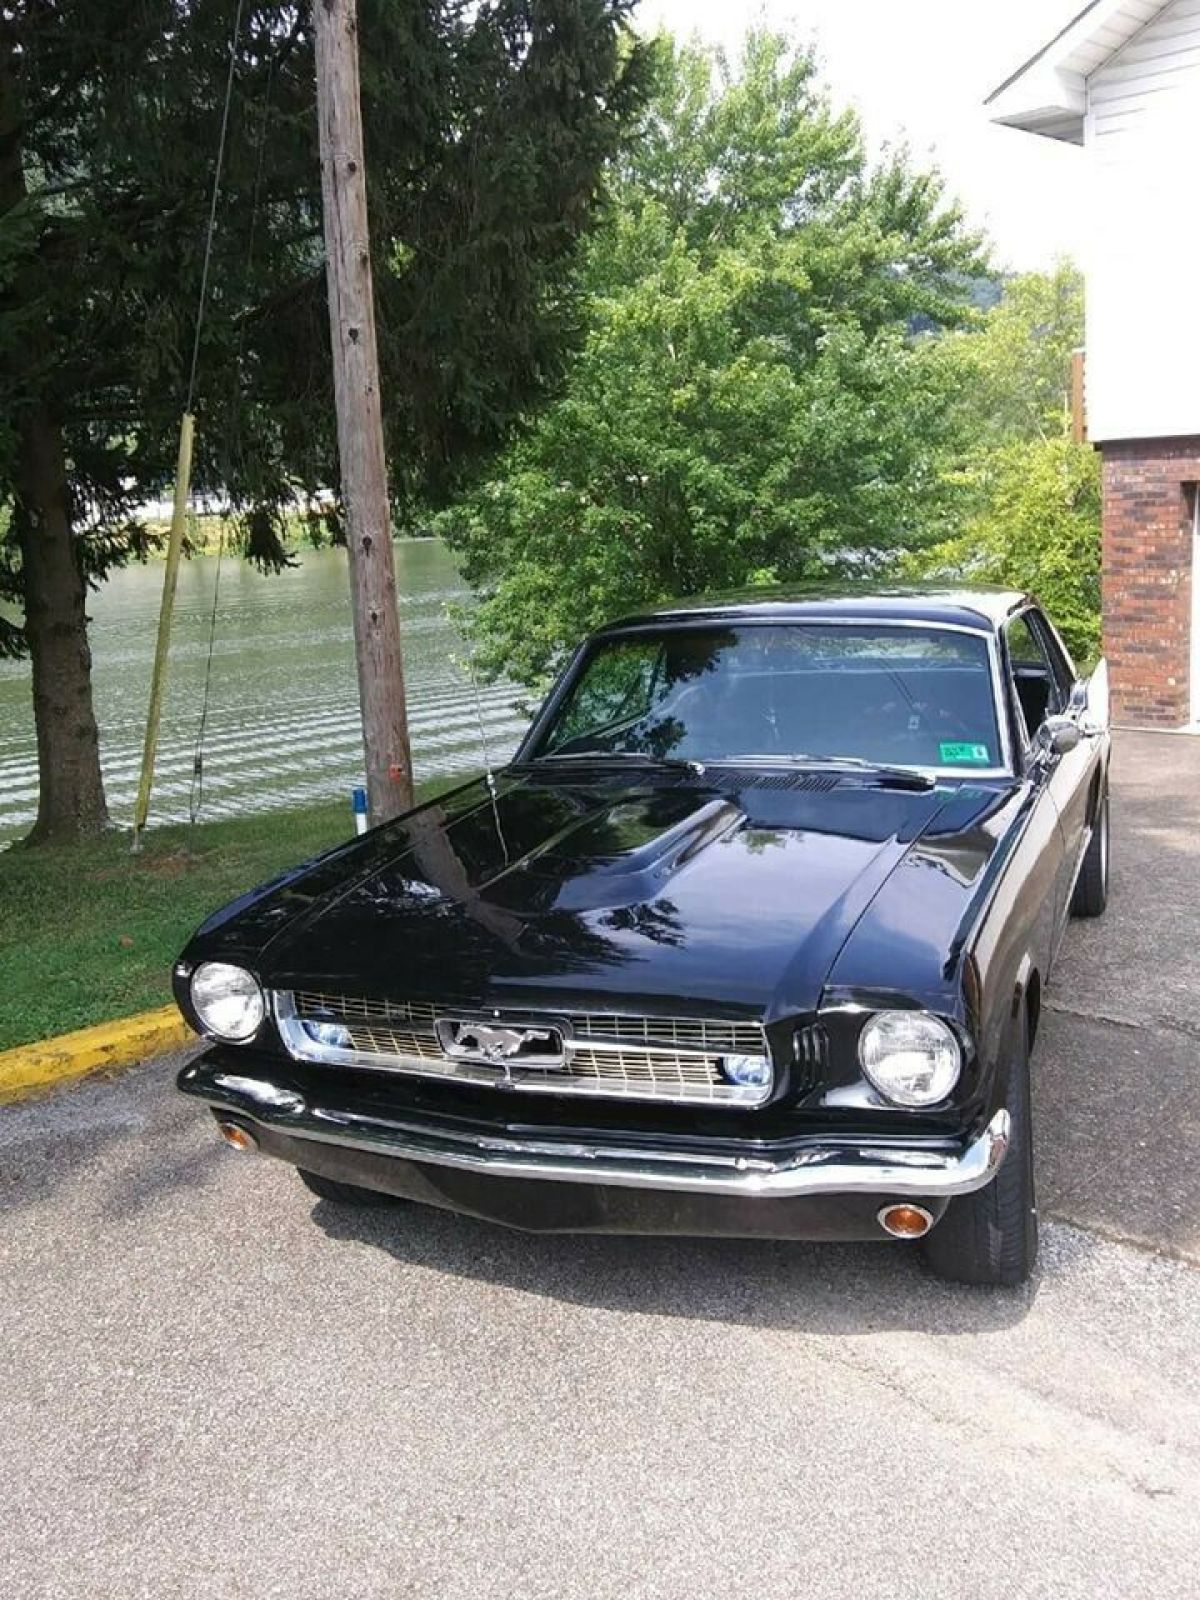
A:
(283, 717)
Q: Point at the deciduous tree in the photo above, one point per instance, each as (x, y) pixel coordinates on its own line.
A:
(1028, 497)
(751, 403)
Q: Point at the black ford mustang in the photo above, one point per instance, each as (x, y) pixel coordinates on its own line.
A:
(749, 938)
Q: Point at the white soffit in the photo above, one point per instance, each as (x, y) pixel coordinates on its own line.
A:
(1048, 95)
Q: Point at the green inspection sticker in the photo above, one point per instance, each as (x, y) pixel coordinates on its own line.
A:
(965, 755)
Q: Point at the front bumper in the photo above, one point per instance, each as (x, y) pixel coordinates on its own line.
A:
(538, 1182)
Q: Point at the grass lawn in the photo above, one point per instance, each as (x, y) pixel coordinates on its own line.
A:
(88, 933)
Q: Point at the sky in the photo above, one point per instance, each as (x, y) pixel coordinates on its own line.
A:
(919, 71)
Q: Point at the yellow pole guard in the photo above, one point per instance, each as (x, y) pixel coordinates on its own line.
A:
(158, 682)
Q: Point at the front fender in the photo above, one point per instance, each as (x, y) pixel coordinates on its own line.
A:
(961, 928)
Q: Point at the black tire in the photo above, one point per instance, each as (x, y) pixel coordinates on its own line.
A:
(345, 1194)
(990, 1238)
(1091, 886)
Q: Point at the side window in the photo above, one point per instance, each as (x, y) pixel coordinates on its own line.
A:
(617, 687)
(1061, 667)
(1023, 647)
(1037, 690)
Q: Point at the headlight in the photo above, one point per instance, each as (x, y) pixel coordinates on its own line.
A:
(228, 1001)
(748, 1072)
(911, 1057)
(333, 1035)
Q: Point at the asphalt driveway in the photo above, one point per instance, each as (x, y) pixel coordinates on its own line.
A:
(215, 1386)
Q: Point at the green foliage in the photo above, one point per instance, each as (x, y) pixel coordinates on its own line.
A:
(1016, 366)
(1029, 498)
(488, 128)
(750, 403)
(1035, 525)
(109, 924)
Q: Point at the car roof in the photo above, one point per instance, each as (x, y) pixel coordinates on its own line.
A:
(981, 607)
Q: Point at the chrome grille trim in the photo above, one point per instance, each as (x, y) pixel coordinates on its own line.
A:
(666, 1059)
(678, 1033)
(419, 1013)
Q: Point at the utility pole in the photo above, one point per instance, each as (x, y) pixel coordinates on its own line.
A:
(1079, 396)
(359, 418)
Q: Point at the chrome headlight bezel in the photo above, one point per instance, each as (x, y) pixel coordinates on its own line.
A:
(214, 983)
(925, 1052)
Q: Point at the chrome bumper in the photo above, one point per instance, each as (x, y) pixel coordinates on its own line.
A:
(840, 1166)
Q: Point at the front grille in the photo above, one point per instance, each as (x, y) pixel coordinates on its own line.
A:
(675, 1059)
(376, 1027)
(677, 1033)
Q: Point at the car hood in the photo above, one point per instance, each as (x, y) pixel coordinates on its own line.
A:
(630, 895)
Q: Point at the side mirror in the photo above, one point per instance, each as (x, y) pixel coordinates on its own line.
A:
(1058, 736)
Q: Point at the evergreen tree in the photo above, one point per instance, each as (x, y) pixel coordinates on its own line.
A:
(488, 128)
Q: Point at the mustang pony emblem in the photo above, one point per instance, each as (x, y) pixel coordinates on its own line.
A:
(500, 1046)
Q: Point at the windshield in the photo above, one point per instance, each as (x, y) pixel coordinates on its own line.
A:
(919, 697)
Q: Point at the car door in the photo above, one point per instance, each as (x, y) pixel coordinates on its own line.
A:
(1043, 680)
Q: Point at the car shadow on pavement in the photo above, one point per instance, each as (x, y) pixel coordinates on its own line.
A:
(825, 1288)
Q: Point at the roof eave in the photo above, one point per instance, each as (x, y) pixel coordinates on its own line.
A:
(1050, 102)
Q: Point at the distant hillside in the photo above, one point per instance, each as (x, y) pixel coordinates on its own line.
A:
(983, 293)
(987, 292)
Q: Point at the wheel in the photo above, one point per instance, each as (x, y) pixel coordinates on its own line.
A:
(991, 1237)
(346, 1194)
(1091, 886)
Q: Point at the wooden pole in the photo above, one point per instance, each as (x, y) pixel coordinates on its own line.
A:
(158, 678)
(1078, 396)
(359, 418)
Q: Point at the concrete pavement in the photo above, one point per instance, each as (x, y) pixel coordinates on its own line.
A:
(1117, 1085)
(215, 1385)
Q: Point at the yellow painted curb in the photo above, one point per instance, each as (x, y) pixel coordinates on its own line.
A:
(110, 1044)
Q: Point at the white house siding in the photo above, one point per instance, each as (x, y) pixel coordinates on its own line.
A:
(1142, 137)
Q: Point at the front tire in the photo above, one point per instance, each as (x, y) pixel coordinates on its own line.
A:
(990, 1238)
(1091, 886)
(345, 1194)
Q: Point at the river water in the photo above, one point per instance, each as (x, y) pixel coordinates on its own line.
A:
(283, 723)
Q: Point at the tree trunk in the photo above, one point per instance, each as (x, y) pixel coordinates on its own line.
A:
(71, 800)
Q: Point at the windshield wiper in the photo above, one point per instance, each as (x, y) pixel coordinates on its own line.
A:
(639, 757)
(898, 777)
(901, 777)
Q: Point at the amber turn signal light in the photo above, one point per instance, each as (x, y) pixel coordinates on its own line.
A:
(905, 1222)
(240, 1138)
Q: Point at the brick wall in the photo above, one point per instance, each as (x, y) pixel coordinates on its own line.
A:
(1148, 577)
